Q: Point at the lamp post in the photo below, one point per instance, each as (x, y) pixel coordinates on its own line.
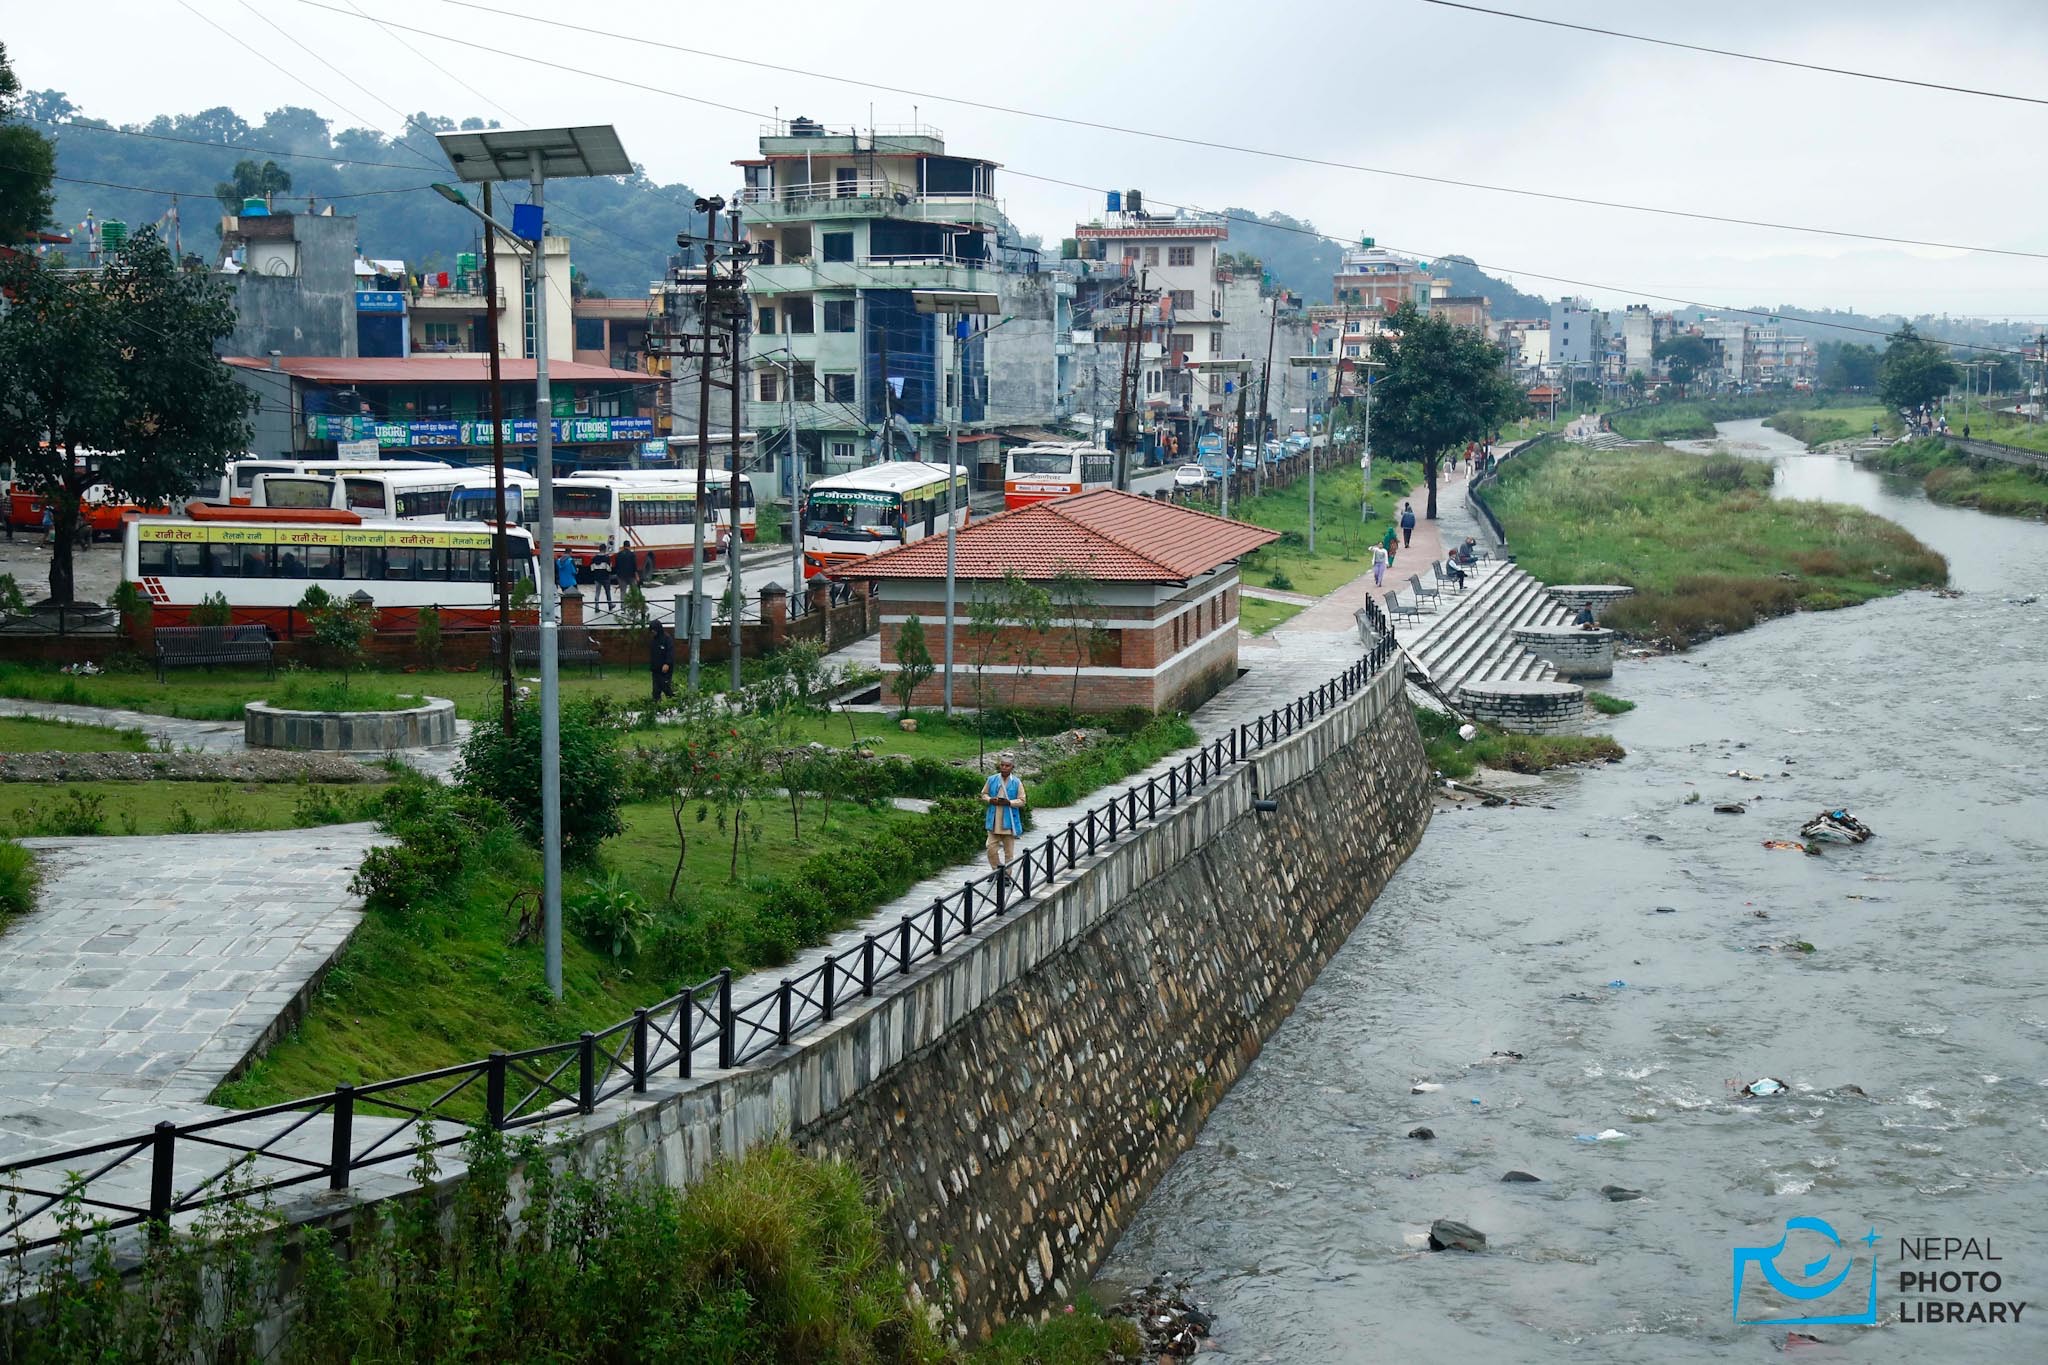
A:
(535, 154)
(1239, 367)
(959, 305)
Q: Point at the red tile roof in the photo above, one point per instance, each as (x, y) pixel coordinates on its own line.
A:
(1105, 535)
(435, 369)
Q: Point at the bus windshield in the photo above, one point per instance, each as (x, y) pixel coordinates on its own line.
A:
(1042, 462)
(846, 515)
(593, 504)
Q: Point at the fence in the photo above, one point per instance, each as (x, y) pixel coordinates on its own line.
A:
(370, 1125)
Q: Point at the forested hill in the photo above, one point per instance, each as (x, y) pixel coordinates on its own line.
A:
(624, 230)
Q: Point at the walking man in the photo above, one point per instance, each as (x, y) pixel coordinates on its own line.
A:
(565, 571)
(661, 662)
(601, 575)
(1407, 524)
(1003, 794)
(625, 566)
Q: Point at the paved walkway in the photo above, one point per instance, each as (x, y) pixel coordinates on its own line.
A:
(151, 966)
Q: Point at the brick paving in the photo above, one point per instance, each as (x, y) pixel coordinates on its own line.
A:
(214, 736)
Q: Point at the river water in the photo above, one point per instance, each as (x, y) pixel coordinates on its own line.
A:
(1512, 930)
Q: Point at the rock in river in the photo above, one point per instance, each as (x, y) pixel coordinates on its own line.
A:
(1448, 1233)
(1521, 1178)
(1620, 1195)
(1425, 1134)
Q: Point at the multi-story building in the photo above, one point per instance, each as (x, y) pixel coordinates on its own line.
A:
(846, 225)
(1638, 328)
(1782, 359)
(1575, 335)
(1372, 281)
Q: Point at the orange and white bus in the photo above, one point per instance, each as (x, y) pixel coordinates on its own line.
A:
(1035, 473)
(262, 560)
(651, 510)
(866, 511)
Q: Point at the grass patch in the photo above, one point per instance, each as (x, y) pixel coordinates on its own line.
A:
(1343, 542)
(1260, 614)
(2005, 428)
(1952, 477)
(936, 736)
(1080, 1336)
(25, 735)
(1706, 547)
(1693, 419)
(1491, 748)
(295, 692)
(17, 881)
(1818, 426)
(78, 809)
(1608, 706)
(1070, 779)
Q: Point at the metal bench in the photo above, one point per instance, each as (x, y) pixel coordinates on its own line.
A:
(1444, 576)
(204, 646)
(571, 646)
(1394, 607)
(1423, 594)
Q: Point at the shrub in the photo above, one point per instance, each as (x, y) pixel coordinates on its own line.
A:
(505, 769)
(439, 830)
(17, 880)
(426, 638)
(913, 663)
(80, 815)
(835, 887)
(11, 599)
(1068, 780)
(213, 610)
(137, 614)
(1280, 580)
(611, 917)
(338, 631)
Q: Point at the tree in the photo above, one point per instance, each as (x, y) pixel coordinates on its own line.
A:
(120, 362)
(1685, 356)
(1637, 383)
(1074, 598)
(340, 625)
(1009, 617)
(1847, 365)
(913, 663)
(252, 180)
(1914, 371)
(1442, 386)
(28, 161)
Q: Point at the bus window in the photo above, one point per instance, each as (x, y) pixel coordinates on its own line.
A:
(400, 561)
(593, 504)
(363, 561)
(1098, 469)
(834, 520)
(223, 561)
(255, 561)
(433, 565)
(282, 491)
(159, 559)
(365, 495)
(430, 502)
(1056, 462)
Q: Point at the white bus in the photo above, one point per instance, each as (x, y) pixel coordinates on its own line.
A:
(392, 494)
(238, 480)
(1035, 473)
(263, 559)
(866, 511)
(651, 510)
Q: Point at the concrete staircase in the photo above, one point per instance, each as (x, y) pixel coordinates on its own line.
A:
(1469, 637)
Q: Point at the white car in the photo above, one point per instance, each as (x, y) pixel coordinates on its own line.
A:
(1190, 476)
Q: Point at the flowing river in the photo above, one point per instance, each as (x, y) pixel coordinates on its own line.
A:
(1542, 930)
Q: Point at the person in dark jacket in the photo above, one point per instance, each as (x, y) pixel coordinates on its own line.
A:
(625, 566)
(661, 662)
(1407, 524)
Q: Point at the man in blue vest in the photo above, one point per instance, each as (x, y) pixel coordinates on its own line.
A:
(1003, 794)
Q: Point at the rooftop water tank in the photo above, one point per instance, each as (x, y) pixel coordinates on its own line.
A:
(255, 207)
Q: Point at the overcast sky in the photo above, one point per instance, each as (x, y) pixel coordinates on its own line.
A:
(1396, 84)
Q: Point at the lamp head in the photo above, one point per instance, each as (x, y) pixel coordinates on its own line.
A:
(451, 194)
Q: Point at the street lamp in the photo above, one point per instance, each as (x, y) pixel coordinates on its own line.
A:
(958, 305)
(1240, 367)
(1337, 365)
(508, 154)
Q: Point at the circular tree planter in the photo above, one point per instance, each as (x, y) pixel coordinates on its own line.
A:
(423, 727)
(1572, 651)
(1525, 708)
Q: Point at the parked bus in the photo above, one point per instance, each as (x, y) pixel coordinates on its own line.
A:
(262, 560)
(866, 511)
(651, 510)
(391, 494)
(1035, 473)
(238, 480)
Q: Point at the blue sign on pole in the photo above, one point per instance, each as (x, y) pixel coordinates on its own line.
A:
(526, 224)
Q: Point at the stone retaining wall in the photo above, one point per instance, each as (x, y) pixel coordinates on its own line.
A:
(268, 727)
(1525, 708)
(1596, 595)
(1573, 652)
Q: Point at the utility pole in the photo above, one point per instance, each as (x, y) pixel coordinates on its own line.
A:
(796, 484)
(501, 567)
(705, 347)
(734, 543)
(1266, 379)
(1125, 432)
(1240, 440)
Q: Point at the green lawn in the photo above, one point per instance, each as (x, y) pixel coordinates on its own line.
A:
(935, 736)
(1706, 546)
(1343, 541)
(84, 808)
(1952, 477)
(1818, 426)
(2005, 428)
(22, 735)
(1259, 614)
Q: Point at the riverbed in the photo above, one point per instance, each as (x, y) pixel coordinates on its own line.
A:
(1636, 948)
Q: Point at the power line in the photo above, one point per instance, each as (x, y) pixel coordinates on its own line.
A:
(1183, 140)
(431, 62)
(1726, 52)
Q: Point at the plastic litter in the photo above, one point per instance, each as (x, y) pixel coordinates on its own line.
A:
(1617, 984)
(1837, 825)
(1468, 732)
(1764, 1087)
(1785, 843)
(1475, 1101)
(1604, 1135)
(1745, 776)
(1424, 1088)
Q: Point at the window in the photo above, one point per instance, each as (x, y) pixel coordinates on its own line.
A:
(1131, 253)
(839, 315)
(804, 383)
(766, 325)
(1151, 255)
(796, 316)
(590, 334)
(839, 388)
(949, 391)
(837, 246)
(1152, 381)
(1183, 342)
(842, 452)
(768, 385)
(1215, 341)
(445, 336)
(1183, 300)
(424, 503)
(1180, 255)
(846, 183)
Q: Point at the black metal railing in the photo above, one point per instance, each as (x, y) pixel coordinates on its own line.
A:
(384, 1121)
(1476, 486)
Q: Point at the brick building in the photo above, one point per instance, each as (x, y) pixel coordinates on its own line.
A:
(1161, 632)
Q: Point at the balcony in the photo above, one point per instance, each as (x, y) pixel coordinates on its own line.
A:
(862, 197)
(795, 137)
(870, 272)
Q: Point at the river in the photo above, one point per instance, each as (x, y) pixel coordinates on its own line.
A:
(1297, 1213)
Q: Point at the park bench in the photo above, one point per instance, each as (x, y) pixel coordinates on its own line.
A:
(1424, 594)
(1394, 607)
(571, 646)
(193, 646)
(1444, 577)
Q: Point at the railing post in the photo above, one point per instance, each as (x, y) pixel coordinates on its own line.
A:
(939, 918)
(1072, 836)
(782, 1012)
(903, 946)
(1002, 885)
(687, 1044)
(867, 965)
(1112, 820)
(494, 1090)
(1091, 833)
(163, 1158)
(967, 903)
(639, 1052)
(831, 986)
(342, 1135)
(726, 1030)
(586, 1072)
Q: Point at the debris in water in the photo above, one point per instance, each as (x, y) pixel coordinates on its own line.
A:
(1171, 1323)
(1790, 945)
(1785, 843)
(1604, 1135)
(1764, 1087)
(2026, 601)
(1620, 1194)
(1759, 914)
(1795, 1339)
(1666, 910)
(1521, 1178)
(1730, 808)
(1468, 732)
(1948, 592)
(1422, 1134)
(1424, 1088)
(1745, 776)
(1838, 825)
(1617, 985)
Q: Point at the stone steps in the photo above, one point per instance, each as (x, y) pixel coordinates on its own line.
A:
(1471, 638)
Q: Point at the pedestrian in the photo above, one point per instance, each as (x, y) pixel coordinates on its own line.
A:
(49, 525)
(565, 571)
(1379, 566)
(1388, 541)
(601, 574)
(1003, 794)
(661, 663)
(1407, 524)
(1966, 436)
(625, 567)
